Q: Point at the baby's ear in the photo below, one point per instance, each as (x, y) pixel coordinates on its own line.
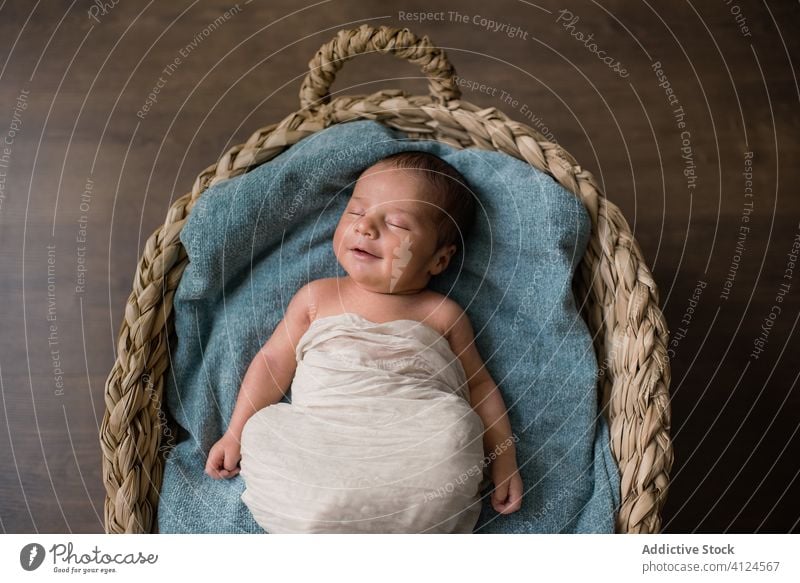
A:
(443, 257)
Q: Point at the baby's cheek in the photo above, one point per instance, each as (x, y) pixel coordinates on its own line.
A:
(337, 240)
(403, 250)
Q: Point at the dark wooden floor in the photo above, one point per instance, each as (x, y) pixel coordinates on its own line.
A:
(79, 164)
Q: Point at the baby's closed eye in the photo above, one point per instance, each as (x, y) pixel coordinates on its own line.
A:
(397, 224)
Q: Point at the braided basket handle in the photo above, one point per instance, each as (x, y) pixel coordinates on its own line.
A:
(402, 43)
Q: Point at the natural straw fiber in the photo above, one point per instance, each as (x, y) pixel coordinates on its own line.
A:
(615, 290)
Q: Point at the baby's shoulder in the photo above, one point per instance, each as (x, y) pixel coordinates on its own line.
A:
(319, 285)
(313, 293)
(321, 288)
(443, 310)
(441, 301)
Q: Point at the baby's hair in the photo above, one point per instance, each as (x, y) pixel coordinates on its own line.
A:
(449, 193)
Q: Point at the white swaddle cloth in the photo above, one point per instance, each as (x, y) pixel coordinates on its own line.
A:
(379, 438)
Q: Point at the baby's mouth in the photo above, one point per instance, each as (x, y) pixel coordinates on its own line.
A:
(362, 253)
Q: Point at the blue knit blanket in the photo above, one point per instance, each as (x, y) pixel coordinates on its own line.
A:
(254, 240)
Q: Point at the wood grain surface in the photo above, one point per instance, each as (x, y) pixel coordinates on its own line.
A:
(697, 142)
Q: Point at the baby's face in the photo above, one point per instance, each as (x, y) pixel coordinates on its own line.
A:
(386, 237)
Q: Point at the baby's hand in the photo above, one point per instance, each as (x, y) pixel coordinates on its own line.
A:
(507, 495)
(223, 458)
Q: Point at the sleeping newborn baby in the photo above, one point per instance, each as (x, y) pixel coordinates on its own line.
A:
(395, 425)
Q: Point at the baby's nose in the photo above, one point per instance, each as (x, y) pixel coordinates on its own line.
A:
(364, 226)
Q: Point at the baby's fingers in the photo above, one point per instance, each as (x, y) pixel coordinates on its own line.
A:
(514, 495)
(499, 495)
(231, 461)
(214, 464)
(214, 472)
(500, 491)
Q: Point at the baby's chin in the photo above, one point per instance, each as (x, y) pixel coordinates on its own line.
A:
(368, 279)
(371, 278)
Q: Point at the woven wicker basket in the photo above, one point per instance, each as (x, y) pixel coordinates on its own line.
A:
(615, 290)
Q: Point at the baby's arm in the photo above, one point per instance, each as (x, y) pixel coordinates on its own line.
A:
(267, 378)
(487, 402)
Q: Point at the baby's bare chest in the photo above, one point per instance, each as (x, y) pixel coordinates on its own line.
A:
(425, 307)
